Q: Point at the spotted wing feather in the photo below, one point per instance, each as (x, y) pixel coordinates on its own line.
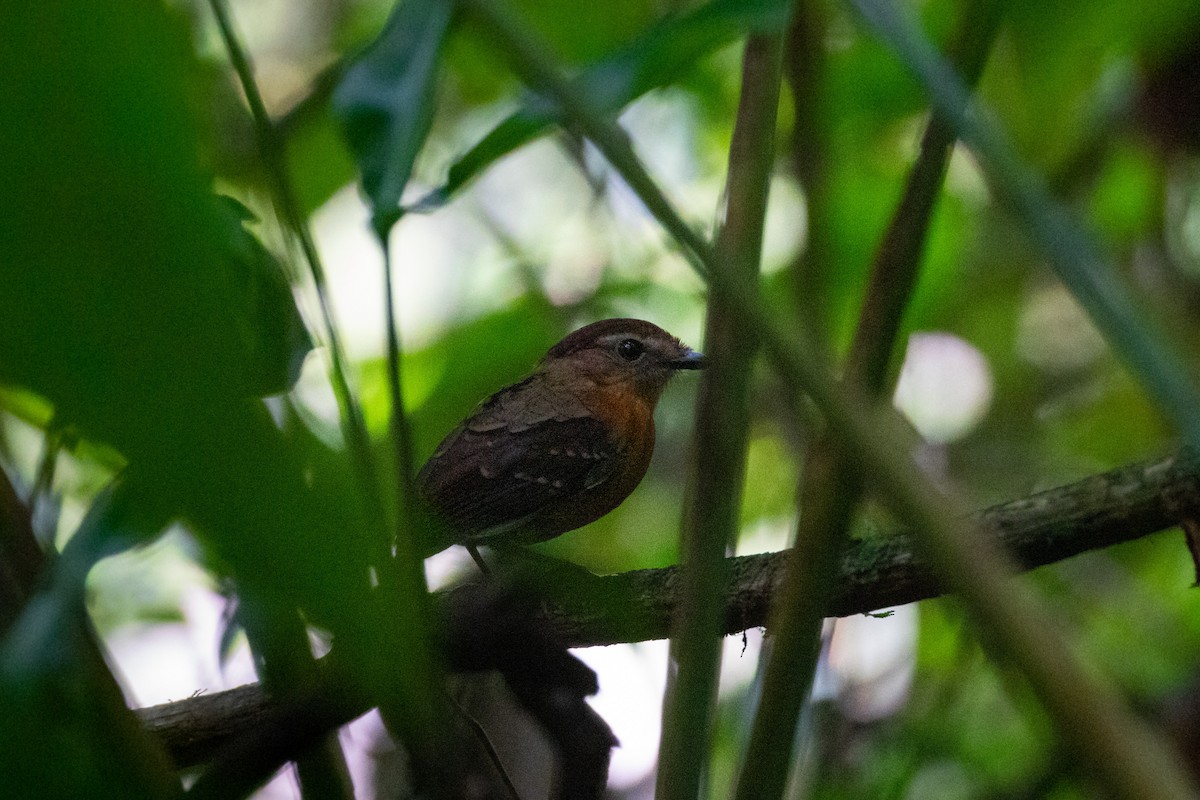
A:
(489, 482)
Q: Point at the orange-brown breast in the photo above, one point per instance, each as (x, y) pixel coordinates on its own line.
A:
(629, 420)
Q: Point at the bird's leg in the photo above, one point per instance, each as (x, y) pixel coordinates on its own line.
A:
(478, 559)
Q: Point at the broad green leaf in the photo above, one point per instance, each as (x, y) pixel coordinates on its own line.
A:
(385, 100)
(128, 290)
(135, 302)
(275, 339)
(658, 57)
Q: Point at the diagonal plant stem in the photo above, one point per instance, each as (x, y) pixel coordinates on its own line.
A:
(271, 146)
(1119, 749)
(1073, 253)
(722, 425)
(832, 485)
(531, 59)
(898, 260)
(1124, 754)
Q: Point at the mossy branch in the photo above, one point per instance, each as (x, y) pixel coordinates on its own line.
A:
(1100, 511)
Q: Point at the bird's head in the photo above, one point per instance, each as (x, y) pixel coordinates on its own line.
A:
(629, 351)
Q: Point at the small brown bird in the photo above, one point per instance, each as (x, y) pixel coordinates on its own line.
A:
(562, 447)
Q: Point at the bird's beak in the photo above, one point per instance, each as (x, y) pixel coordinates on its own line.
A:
(690, 360)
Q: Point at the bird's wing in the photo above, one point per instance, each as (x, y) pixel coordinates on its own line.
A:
(528, 404)
(518, 453)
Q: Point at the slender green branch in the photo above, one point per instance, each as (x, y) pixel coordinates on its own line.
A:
(1118, 748)
(410, 521)
(395, 643)
(385, 101)
(898, 259)
(829, 495)
(401, 434)
(722, 429)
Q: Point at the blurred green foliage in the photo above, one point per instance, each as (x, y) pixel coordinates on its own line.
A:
(141, 313)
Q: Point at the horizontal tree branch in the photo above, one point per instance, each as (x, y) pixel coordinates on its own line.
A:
(1106, 509)
(194, 729)
(1099, 511)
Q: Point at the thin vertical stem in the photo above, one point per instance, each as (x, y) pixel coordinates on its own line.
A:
(722, 424)
(411, 708)
(401, 430)
(404, 671)
(812, 270)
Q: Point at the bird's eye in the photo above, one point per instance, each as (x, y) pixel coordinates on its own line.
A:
(631, 349)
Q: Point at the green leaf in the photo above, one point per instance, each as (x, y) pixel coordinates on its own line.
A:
(273, 332)
(659, 57)
(128, 290)
(134, 300)
(385, 100)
